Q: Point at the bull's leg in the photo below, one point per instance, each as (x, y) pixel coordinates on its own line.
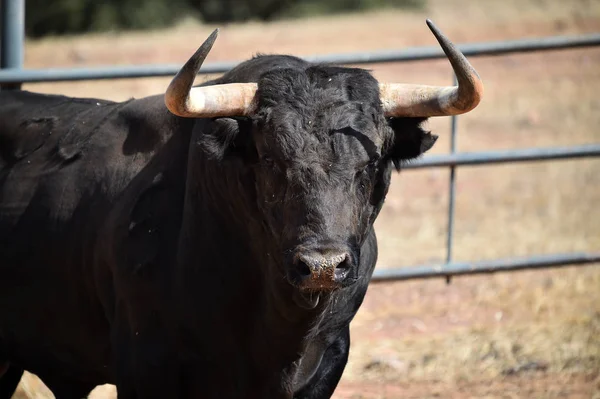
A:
(10, 375)
(325, 380)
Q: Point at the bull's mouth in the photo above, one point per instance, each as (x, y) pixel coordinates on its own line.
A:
(306, 299)
(309, 288)
(308, 293)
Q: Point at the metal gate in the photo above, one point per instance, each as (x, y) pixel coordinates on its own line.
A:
(12, 75)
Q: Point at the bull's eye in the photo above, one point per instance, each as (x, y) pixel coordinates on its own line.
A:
(365, 170)
(267, 161)
(369, 167)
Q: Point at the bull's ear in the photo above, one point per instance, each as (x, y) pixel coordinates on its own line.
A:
(409, 140)
(223, 138)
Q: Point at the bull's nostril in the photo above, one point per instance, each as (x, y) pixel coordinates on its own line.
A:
(303, 269)
(342, 269)
(344, 264)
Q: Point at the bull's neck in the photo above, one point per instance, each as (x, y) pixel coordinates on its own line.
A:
(226, 249)
(224, 228)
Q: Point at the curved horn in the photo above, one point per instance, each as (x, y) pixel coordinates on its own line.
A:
(234, 99)
(419, 100)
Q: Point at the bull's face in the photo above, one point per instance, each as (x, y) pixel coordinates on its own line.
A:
(322, 153)
(320, 148)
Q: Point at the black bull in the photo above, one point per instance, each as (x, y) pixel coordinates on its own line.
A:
(194, 257)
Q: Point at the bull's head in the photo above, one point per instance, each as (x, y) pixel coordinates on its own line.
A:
(322, 141)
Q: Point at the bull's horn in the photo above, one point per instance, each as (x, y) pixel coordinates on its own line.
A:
(208, 101)
(418, 100)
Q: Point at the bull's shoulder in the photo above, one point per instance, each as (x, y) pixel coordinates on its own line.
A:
(60, 129)
(63, 157)
(59, 148)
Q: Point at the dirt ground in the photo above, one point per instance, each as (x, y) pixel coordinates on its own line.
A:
(530, 334)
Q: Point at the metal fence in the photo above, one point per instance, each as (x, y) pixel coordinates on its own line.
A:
(12, 75)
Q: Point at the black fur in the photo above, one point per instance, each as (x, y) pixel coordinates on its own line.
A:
(10, 375)
(155, 252)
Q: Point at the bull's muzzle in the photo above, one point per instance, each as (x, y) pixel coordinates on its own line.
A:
(321, 270)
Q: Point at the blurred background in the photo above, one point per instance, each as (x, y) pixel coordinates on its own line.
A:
(528, 334)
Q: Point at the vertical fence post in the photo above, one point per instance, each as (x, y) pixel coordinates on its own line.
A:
(12, 22)
(452, 192)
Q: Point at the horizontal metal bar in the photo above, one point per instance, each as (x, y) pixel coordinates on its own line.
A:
(410, 54)
(469, 50)
(516, 155)
(100, 73)
(486, 266)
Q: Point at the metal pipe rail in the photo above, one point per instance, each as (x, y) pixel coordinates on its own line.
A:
(485, 266)
(506, 156)
(411, 54)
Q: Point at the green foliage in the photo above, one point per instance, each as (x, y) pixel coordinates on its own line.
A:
(308, 8)
(57, 17)
(43, 17)
(240, 10)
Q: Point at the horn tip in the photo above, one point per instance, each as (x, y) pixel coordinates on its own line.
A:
(432, 27)
(213, 35)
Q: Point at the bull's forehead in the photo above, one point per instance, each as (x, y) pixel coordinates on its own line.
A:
(328, 134)
(332, 112)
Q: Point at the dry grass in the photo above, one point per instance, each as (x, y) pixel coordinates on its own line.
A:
(483, 327)
(525, 334)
